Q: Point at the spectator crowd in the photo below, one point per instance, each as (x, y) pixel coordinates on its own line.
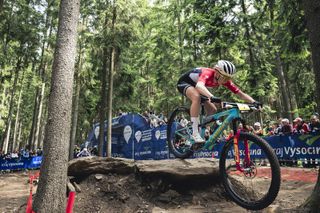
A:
(20, 154)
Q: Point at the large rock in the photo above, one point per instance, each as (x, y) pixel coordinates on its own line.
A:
(175, 168)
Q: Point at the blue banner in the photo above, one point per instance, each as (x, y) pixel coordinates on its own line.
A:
(132, 137)
(21, 163)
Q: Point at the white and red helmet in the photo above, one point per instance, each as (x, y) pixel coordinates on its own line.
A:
(226, 68)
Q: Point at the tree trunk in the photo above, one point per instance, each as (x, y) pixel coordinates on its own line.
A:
(17, 122)
(19, 136)
(37, 133)
(312, 14)
(1, 5)
(75, 104)
(247, 35)
(283, 88)
(7, 137)
(103, 94)
(110, 93)
(51, 192)
(6, 134)
(34, 121)
(110, 85)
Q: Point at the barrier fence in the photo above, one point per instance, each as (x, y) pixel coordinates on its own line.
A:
(133, 138)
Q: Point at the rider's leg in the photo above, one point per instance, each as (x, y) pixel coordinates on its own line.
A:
(210, 108)
(194, 96)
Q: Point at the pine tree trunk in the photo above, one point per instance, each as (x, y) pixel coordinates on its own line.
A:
(34, 121)
(16, 124)
(75, 104)
(19, 135)
(103, 94)
(110, 93)
(9, 119)
(37, 134)
(51, 192)
(110, 85)
(312, 14)
(283, 88)
(7, 137)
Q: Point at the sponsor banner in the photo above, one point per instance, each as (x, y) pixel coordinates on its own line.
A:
(132, 137)
(21, 163)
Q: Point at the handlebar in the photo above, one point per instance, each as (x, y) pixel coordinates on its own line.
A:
(240, 106)
(229, 105)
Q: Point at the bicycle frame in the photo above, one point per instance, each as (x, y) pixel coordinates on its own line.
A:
(231, 114)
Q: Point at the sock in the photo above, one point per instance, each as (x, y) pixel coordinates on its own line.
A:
(195, 124)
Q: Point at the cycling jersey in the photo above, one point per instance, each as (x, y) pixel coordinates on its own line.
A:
(205, 75)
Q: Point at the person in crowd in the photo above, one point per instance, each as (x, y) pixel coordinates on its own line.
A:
(194, 83)
(286, 127)
(207, 132)
(94, 150)
(153, 120)
(183, 121)
(26, 153)
(146, 116)
(14, 154)
(270, 129)
(300, 126)
(229, 135)
(314, 124)
(39, 152)
(84, 153)
(76, 150)
(257, 130)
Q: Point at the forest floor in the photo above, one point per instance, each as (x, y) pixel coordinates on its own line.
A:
(125, 193)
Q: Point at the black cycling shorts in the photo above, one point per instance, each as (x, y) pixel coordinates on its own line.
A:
(183, 86)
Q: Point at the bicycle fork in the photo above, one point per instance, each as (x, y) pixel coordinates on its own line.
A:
(237, 153)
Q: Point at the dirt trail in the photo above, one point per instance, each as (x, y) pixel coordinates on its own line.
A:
(102, 193)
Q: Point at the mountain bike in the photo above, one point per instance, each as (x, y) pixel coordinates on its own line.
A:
(249, 168)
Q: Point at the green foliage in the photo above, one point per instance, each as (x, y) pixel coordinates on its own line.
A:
(156, 43)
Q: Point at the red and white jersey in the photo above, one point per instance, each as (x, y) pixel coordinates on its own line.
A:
(207, 76)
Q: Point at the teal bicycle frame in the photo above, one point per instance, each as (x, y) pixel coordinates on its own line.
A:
(231, 114)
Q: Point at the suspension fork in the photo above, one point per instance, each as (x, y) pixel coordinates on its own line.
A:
(236, 149)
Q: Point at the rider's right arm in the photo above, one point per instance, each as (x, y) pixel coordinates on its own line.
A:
(203, 89)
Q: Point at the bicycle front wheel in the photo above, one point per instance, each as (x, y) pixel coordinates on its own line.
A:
(179, 131)
(255, 182)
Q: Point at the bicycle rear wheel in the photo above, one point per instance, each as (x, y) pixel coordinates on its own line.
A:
(257, 186)
(179, 131)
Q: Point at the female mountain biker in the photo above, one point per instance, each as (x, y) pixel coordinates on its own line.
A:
(195, 82)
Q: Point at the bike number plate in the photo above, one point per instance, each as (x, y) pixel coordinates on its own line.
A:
(243, 107)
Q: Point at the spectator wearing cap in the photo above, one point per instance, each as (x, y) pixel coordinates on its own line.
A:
(257, 130)
(314, 124)
(300, 126)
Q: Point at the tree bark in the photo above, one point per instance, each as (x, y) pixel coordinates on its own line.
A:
(110, 93)
(110, 85)
(103, 93)
(75, 104)
(283, 88)
(34, 121)
(38, 126)
(312, 13)
(6, 134)
(51, 192)
(17, 122)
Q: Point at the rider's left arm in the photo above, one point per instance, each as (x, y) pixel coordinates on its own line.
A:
(245, 97)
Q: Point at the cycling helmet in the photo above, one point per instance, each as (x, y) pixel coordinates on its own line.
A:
(226, 68)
